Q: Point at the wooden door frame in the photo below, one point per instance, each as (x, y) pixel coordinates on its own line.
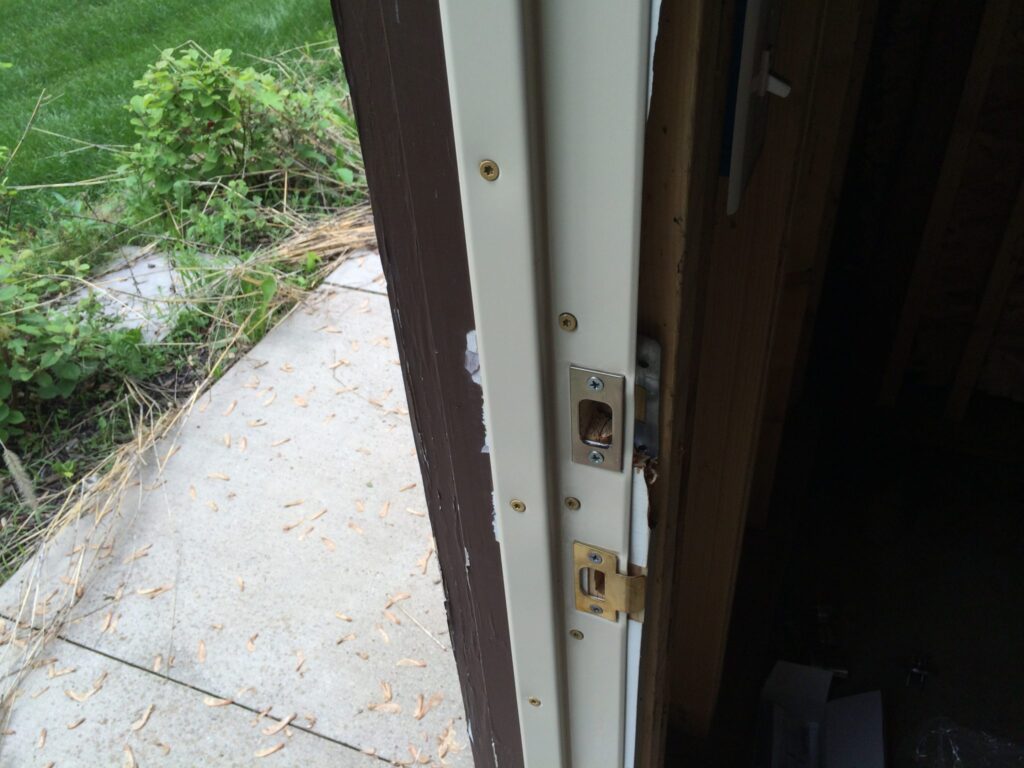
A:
(745, 298)
(681, 155)
(394, 60)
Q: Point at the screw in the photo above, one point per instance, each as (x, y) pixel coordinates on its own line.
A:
(575, 634)
(595, 558)
(595, 384)
(489, 170)
(534, 701)
(567, 322)
(596, 457)
(571, 502)
(596, 609)
(517, 505)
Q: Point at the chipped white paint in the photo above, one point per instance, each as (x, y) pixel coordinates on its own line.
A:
(472, 357)
(473, 368)
(494, 520)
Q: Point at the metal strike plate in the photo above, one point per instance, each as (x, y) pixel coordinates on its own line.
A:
(600, 589)
(596, 403)
(647, 398)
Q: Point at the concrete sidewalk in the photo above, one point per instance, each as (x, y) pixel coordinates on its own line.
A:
(273, 584)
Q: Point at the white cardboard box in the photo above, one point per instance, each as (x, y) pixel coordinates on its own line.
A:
(801, 728)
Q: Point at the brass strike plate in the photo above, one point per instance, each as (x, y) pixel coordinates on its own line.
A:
(600, 589)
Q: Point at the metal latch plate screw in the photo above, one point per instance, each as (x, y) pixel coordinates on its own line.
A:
(489, 170)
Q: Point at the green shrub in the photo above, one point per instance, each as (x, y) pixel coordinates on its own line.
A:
(228, 159)
(200, 118)
(197, 117)
(48, 351)
(229, 219)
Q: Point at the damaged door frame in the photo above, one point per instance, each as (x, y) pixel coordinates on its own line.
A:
(394, 60)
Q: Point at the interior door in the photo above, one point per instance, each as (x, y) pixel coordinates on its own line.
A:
(548, 103)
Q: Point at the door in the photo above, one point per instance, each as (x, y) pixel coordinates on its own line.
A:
(548, 104)
(503, 150)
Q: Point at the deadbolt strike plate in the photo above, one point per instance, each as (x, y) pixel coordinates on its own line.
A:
(595, 405)
(600, 589)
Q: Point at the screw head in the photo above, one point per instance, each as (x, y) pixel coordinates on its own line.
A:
(575, 634)
(567, 322)
(596, 610)
(517, 505)
(595, 558)
(571, 502)
(596, 457)
(489, 170)
(534, 701)
(595, 384)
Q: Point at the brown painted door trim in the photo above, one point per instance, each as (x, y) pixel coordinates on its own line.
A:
(394, 58)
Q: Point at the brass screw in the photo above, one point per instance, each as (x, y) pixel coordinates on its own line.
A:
(517, 505)
(489, 170)
(575, 634)
(567, 322)
(534, 701)
(571, 502)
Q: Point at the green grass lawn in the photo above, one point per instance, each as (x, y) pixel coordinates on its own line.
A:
(86, 54)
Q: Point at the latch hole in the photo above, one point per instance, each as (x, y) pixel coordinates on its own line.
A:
(596, 423)
(592, 583)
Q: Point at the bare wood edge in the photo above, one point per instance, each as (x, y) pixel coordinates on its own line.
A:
(986, 52)
(681, 154)
(742, 301)
(997, 287)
